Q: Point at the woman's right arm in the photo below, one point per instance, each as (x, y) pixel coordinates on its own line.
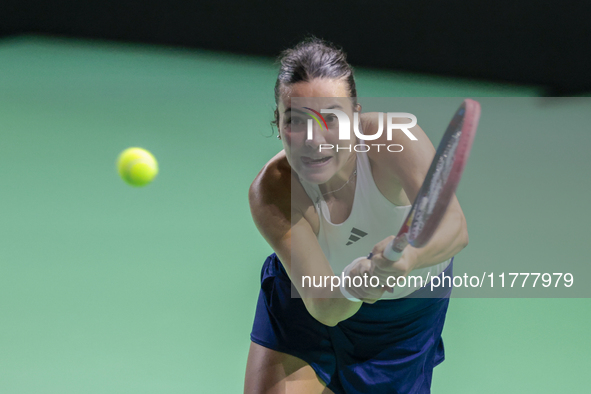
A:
(291, 236)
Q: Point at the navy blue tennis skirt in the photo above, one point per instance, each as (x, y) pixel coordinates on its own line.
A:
(390, 346)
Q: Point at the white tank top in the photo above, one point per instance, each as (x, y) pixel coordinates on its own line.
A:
(373, 218)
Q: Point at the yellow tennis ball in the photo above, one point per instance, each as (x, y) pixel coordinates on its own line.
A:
(137, 166)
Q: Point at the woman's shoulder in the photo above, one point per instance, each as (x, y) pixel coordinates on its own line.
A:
(272, 183)
(273, 180)
(407, 152)
(405, 165)
(276, 192)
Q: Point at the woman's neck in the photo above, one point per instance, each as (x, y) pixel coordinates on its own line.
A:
(342, 183)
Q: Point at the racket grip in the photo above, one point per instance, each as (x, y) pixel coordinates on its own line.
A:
(391, 254)
(394, 249)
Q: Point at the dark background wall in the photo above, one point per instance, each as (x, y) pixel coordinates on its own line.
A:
(533, 42)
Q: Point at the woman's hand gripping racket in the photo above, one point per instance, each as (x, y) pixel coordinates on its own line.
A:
(440, 183)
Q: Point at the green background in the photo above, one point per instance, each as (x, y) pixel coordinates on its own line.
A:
(105, 288)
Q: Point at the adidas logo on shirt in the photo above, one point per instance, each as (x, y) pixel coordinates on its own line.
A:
(355, 236)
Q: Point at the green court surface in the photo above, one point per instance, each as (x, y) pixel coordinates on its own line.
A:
(105, 288)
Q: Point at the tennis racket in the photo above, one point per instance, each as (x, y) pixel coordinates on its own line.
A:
(440, 183)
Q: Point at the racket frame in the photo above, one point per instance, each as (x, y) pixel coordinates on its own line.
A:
(471, 116)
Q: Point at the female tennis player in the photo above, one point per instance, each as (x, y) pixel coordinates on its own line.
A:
(320, 210)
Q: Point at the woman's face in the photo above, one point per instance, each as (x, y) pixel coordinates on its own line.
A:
(305, 156)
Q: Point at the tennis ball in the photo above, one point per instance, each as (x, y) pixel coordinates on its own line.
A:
(137, 166)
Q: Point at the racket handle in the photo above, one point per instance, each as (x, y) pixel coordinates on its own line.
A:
(391, 254)
(394, 249)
